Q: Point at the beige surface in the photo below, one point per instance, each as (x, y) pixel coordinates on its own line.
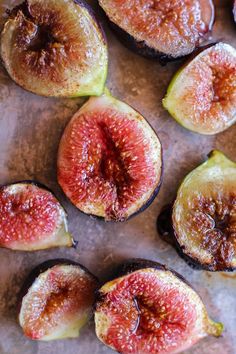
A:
(30, 129)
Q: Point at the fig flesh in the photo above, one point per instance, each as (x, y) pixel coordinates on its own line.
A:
(204, 215)
(56, 300)
(159, 28)
(109, 160)
(55, 48)
(150, 309)
(31, 218)
(202, 95)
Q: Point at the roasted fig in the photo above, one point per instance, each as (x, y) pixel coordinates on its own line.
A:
(158, 28)
(204, 215)
(55, 48)
(202, 94)
(31, 218)
(109, 160)
(56, 300)
(151, 309)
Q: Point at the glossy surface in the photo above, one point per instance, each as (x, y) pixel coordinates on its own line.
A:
(30, 131)
(31, 218)
(60, 49)
(204, 213)
(202, 95)
(174, 29)
(109, 159)
(58, 303)
(151, 311)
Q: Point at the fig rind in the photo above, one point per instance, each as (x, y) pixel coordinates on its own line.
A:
(106, 321)
(71, 323)
(145, 45)
(140, 47)
(184, 96)
(101, 108)
(56, 67)
(206, 199)
(59, 237)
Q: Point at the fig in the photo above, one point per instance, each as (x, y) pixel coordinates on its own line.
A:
(56, 300)
(31, 218)
(204, 214)
(158, 28)
(109, 160)
(202, 95)
(151, 309)
(55, 48)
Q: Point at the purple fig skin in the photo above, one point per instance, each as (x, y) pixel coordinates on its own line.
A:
(43, 267)
(141, 48)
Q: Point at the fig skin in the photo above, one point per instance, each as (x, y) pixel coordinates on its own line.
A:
(142, 48)
(71, 241)
(192, 260)
(206, 121)
(131, 266)
(57, 83)
(45, 266)
(101, 104)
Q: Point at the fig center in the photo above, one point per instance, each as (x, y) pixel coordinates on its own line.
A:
(112, 167)
(42, 39)
(150, 316)
(55, 300)
(215, 222)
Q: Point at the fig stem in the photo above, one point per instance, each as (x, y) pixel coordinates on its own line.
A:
(214, 328)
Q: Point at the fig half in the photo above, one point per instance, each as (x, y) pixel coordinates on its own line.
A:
(158, 28)
(150, 309)
(204, 215)
(202, 95)
(109, 160)
(55, 48)
(56, 300)
(31, 218)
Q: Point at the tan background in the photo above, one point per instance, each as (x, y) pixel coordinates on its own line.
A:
(30, 130)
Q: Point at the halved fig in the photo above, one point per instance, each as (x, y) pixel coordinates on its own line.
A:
(158, 28)
(202, 95)
(31, 218)
(151, 309)
(109, 160)
(55, 48)
(56, 300)
(204, 214)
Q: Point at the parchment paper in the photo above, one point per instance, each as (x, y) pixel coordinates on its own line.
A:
(30, 130)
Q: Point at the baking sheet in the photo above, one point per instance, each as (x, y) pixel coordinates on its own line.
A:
(30, 130)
